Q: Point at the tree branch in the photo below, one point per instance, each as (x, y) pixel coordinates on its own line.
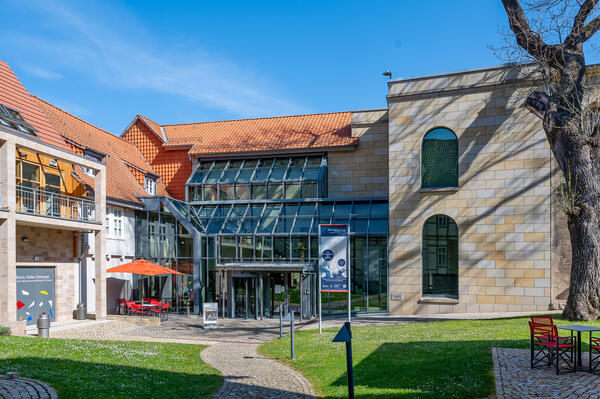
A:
(591, 28)
(578, 32)
(530, 41)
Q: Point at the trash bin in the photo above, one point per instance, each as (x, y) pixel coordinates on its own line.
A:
(43, 325)
(81, 311)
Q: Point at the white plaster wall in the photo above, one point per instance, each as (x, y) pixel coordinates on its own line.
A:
(118, 251)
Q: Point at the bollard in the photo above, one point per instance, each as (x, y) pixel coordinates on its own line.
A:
(280, 324)
(292, 332)
(187, 308)
(81, 311)
(43, 325)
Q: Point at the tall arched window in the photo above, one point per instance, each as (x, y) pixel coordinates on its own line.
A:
(439, 159)
(440, 257)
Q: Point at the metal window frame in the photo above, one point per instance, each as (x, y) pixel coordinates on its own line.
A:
(302, 181)
(226, 208)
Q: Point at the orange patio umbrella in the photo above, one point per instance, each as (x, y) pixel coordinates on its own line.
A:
(144, 267)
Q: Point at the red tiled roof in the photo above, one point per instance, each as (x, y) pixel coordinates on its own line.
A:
(153, 126)
(263, 134)
(14, 95)
(174, 166)
(121, 183)
(90, 136)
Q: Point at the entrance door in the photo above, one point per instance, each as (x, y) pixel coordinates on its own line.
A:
(244, 293)
(35, 293)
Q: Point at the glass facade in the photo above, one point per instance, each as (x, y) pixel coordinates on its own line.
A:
(161, 239)
(257, 212)
(259, 179)
(287, 231)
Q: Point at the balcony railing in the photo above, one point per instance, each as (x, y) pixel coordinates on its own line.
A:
(47, 203)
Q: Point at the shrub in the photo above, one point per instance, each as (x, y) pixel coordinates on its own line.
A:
(4, 331)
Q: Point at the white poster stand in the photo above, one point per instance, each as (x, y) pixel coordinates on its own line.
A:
(210, 315)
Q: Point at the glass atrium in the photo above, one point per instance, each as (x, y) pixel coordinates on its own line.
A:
(248, 238)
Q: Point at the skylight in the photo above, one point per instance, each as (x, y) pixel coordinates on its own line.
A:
(12, 118)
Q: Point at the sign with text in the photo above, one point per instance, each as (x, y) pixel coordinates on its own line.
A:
(333, 257)
(210, 315)
(35, 293)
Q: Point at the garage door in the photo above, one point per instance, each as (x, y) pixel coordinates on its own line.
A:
(35, 293)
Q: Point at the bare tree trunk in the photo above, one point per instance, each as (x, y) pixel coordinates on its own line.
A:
(576, 148)
(584, 289)
(580, 159)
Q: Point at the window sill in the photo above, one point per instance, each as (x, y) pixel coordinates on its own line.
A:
(439, 190)
(439, 301)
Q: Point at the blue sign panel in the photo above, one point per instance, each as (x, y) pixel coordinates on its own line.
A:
(333, 262)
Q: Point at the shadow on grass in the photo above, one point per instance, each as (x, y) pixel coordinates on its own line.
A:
(78, 379)
(428, 369)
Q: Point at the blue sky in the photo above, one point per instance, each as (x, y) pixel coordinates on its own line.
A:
(178, 62)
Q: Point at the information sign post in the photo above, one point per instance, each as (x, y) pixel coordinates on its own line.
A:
(334, 265)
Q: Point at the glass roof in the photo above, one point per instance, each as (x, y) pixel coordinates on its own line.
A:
(365, 217)
(289, 168)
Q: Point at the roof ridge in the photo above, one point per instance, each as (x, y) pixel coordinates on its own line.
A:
(261, 118)
(150, 168)
(81, 120)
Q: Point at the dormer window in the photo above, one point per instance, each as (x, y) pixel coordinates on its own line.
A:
(93, 156)
(150, 185)
(12, 118)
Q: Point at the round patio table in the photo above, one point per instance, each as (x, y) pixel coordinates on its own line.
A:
(579, 328)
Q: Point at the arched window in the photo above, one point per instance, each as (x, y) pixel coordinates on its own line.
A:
(440, 257)
(439, 159)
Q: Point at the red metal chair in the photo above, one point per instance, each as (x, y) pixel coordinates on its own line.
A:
(163, 311)
(548, 347)
(136, 308)
(594, 354)
(156, 305)
(546, 320)
(129, 307)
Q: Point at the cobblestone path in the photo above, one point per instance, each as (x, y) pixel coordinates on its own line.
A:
(24, 388)
(516, 380)
(249, 375)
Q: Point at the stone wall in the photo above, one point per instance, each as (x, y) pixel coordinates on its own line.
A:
(502, 204)
(362, 172)
(57, 249)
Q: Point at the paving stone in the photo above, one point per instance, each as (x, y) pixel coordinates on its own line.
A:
(24, 388)
(249, 375)
(515, 379)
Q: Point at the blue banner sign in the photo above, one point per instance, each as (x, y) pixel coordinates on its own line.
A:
(333, 257)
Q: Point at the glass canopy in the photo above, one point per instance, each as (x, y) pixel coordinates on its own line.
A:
(365, 217)
(287, 177)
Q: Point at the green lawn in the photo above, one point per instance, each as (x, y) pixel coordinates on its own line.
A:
(447, 359)
(105, 369)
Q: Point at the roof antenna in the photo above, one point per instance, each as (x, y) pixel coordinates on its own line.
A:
(388, 74)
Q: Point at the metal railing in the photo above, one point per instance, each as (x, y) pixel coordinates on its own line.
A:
(47, 203)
